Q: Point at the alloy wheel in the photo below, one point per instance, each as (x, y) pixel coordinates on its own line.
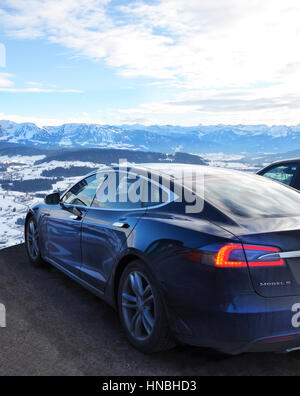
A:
(33, 240)
(138, 306)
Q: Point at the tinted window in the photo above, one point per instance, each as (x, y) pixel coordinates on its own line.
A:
(283, 173)
(83, 192)
(247, 195)
(120, 191)
(153, 194)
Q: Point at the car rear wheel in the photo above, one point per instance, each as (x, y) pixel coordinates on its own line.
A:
(142, 311)
(32, 240)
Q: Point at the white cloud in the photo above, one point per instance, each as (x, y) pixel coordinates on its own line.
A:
(39, 90)
(206, 43)
(231, 106)
(34, 84)
(48, 121)
(5, 80)
(201, 46)
(7, 85)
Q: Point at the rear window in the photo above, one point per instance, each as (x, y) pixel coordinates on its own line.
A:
(251, 196)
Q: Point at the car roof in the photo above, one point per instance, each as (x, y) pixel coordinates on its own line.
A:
(173, 170)
(169, 168)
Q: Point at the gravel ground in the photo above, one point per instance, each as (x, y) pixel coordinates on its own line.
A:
(55, 327)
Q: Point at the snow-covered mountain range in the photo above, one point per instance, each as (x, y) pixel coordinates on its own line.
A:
(256, 139)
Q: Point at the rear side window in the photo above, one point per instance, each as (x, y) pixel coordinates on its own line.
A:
(285, 174)
(154, 194)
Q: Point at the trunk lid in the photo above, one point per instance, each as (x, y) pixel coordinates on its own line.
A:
(281, 233)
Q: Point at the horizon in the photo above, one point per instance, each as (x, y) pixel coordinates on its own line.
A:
(153, 125)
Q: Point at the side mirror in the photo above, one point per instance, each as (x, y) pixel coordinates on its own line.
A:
(52, 199)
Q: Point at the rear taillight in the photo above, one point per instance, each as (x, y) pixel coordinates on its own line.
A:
(237, 256)
(231, 256)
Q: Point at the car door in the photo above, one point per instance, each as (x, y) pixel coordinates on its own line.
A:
(108, 224)
(286, 173)
(64, 224)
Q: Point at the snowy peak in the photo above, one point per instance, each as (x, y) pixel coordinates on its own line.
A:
(255, 139)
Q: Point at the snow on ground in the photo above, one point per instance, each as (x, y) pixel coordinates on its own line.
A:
(221, 160)
(14, 205)
(10, 211)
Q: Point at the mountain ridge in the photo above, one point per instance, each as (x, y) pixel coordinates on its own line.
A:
(231, 139)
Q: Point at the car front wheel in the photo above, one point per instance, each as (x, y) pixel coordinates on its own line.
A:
(32, 240)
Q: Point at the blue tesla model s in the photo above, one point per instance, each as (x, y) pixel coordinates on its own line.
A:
(223, 273)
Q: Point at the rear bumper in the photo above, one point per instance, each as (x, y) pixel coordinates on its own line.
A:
(236, 348)
(247, 323)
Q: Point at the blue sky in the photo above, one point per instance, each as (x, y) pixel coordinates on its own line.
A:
(41, 65)
(162, 61)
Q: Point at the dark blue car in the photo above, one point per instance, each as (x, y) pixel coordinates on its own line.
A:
(225, 276)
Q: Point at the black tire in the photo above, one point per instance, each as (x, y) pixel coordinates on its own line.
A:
(151, 331)
(33, 252)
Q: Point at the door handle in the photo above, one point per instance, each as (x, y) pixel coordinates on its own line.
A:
(121, 225)
(74, 217)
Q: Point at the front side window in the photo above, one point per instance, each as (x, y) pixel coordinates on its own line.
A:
(83, 192)
(284, 173)
(120, 191)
